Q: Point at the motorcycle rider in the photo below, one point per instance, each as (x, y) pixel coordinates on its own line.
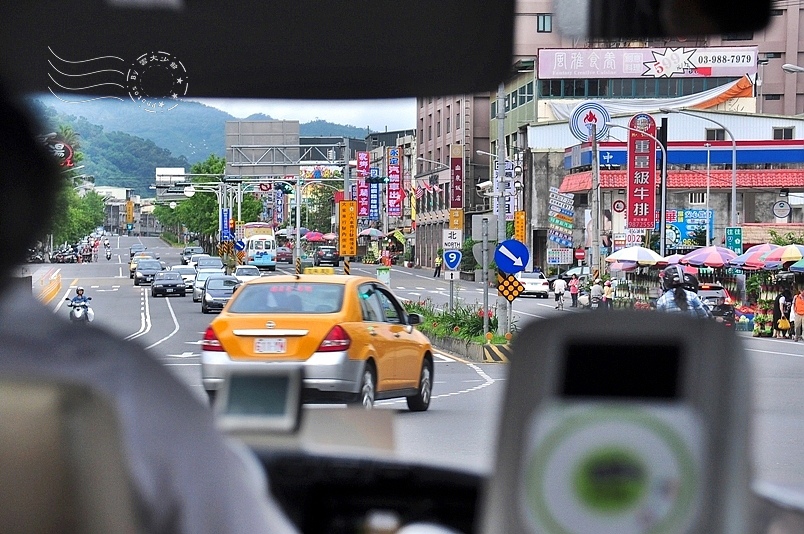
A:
(80, 300)
(678, 296)
(595, 294)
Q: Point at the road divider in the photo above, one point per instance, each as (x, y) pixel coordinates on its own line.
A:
(49, 286)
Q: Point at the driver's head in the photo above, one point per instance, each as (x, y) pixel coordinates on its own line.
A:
(79, 291)
(29, 181)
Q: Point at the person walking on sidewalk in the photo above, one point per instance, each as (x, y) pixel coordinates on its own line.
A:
(438, 261)
(798, 307)
(574, 286)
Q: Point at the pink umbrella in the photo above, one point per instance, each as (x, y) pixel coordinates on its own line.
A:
(313, 236)
(331, 236)
(671, 259)
(709, 257)
(764, 247)
(624, 266)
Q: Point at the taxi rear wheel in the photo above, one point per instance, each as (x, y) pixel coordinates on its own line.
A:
(368, 387)
(421, 400)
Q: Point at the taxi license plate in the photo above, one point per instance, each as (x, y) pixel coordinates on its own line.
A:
(273, 345)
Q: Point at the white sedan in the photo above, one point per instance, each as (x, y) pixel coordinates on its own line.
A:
(535, 283)
(244, 273)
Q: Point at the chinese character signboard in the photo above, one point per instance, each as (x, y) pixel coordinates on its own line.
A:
(456, 219)
(682, 225)
(561, 217)
(347, 219)
(452, 239)
(734, 240)
(641, 176)
(363, 171)
(374, 202)
(717, 62)
(456, 176)
(510, 191)
(363, 164)
(279, 207)
(394, 182)
(519, 226)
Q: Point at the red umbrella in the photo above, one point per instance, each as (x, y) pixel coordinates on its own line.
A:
(313, 236)
(709, 257)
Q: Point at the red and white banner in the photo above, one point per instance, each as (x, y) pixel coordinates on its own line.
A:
(641, 177)
(456, 178)
(395, 195)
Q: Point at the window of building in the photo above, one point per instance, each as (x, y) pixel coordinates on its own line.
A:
(741, 36)
(514, 100)
(697, 198)
(438, 154)
(438, 129)
(544, 22)
(457, 120)
(776, 12)
(772, 97)
(430, 133)
(493, 108)
(507, 101)
(448, 117)
(782, 133)
(773, 55)
(583, 199)
(715, 134)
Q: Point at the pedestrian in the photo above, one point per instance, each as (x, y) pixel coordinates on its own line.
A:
(781, 317)
(608, 295)
(678, 299)
(438, 261)
(798, 308)
(574, 284)
(559, 286)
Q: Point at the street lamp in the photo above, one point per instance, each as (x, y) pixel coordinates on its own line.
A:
(793, 69)
(663, 209)
(708, 146)
(733, 154)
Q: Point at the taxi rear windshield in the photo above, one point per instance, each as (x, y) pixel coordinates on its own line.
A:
(290, 297)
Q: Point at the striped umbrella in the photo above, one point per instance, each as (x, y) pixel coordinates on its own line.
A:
(624, 266)
(798, 267)
(764, 247)
(331, 236)
(672, 259)
(708, 257)
(786, 253)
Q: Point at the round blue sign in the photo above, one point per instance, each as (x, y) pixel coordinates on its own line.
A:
(511, 256)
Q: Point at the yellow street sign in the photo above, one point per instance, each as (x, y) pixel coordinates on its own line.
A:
(519, 226)
(130, 211)
(456, 219)
(509, 287)
(347, 218)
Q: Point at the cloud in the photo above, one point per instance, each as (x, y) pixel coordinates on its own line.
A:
(379, 115)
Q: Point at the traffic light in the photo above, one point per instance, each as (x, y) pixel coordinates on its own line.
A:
(284, 187)
(377, 180)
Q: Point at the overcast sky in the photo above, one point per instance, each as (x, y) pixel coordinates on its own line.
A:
(378, 115)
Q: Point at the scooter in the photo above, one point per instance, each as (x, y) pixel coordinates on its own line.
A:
(80, 313)
(108, 254)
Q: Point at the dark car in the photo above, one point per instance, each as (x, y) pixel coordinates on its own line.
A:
(146, 270)
(188, 252)
(168, 283)
(218, 289)
(284, 254)
(137, 247)
(719, 301)
(328, 255)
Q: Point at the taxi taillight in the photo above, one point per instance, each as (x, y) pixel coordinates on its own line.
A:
(210, 342)
(336, 340)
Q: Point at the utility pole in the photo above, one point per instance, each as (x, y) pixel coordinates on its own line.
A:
(594, 252)
(499, 190)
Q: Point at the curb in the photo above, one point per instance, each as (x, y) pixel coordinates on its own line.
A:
(472, 352)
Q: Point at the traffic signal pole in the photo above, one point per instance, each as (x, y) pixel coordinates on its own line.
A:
(499, 188)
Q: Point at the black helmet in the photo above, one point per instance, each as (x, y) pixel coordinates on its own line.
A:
(690, 282)
(672, 277)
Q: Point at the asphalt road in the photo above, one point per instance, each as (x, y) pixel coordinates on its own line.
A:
(459, 428)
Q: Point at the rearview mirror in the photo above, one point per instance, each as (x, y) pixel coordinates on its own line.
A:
(638, 19)
(414, 318)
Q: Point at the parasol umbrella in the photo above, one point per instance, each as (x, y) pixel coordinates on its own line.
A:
(331, 236)
(640, 255)
(786, 253)
(624, 266)
(798, 267)
(711, 256)
(313, 236)
(755, 260)
(672, 259)
(372, 233)
(764, 247)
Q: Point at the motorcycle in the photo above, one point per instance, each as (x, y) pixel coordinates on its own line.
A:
(594, 303)
(80, 312)
(108, 254)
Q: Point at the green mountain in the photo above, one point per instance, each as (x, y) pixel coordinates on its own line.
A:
(192, 129)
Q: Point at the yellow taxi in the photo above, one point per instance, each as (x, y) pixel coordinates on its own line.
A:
(135, 259)
(354, 338)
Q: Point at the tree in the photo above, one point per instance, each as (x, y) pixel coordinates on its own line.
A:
(316, 207)
(785, 239)
(698, 237)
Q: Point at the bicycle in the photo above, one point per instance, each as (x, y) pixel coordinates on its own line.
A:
(560, 301)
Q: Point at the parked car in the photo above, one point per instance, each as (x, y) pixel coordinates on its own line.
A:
(146, 270)
(353, 336)
(326, 254)
(218, 289)
(535, 283)
(720, 303)
(188, 252)
(168, 283)
(284, 254)
(187, 273)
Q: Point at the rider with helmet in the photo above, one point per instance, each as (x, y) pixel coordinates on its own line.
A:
(679, 296)
(80, 300)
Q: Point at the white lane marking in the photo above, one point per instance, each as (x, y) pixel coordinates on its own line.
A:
(61, 300)
(183, 364)
(120, 272)
(175, 322)
(145, 317)
(776, 352)
(186, 354)
(444, 358)
(487, 381)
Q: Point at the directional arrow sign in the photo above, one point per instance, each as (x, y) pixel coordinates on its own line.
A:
(511, 256)
(452, 258)
(240, 245)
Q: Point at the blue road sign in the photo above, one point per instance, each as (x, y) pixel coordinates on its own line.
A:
(511, 256)
(452, 258)
(240, 245)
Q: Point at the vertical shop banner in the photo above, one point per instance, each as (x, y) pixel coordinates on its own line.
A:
(641, 211)
(347, 219)
(363, 172)
(456, 176)
(394, 182)
(279, 207)
(374, 202)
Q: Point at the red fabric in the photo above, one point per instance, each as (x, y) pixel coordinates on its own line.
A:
(678, 179)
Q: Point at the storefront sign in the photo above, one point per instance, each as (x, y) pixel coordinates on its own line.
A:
(347, 227)
(394, 182)
(456, 176)
(641, 176)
